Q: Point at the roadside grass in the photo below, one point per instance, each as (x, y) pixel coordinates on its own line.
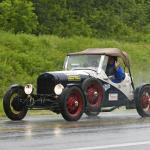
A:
(1, 109)
(23, 57)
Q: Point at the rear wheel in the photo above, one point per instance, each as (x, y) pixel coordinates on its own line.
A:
(94, 94)
(142, 100)
(13, 103)
(72, 104)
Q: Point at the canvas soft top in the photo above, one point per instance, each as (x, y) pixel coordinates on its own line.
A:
(114, 52)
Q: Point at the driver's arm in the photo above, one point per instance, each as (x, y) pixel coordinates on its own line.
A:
(119, 74)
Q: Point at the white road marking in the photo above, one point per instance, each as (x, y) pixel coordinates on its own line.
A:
(112, 146)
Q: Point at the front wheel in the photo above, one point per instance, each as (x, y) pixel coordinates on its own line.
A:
(142, 100)
(13, 105)
(72, 103)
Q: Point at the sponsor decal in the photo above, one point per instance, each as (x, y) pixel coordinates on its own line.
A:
(74, 78)
(113, 96)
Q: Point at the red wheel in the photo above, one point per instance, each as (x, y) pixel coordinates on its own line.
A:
(72, 104)
(143, 100)
(94, 93)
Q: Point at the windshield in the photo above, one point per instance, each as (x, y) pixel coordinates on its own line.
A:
(82, 62)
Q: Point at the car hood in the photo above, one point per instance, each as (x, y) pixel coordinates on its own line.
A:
(47, 81)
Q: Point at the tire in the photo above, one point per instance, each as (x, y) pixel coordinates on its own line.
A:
(72, 103)
(94, 94)
(142, 100)
(13, 108)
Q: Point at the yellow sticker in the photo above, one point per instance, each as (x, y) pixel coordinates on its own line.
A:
(73, 78)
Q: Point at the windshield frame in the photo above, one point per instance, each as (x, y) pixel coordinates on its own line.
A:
(98, 69)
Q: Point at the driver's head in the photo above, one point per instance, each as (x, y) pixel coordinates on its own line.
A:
(111, 60)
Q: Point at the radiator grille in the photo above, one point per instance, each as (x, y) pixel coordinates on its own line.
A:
(45, 84)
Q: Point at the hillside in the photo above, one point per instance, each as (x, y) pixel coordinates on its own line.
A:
(23, 57)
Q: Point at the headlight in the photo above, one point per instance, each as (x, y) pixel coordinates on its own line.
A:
(58, 89)
(28, 89)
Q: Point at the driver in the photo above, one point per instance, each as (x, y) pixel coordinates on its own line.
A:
(114, 70)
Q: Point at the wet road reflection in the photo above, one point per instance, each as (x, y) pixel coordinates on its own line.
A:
(44, 132)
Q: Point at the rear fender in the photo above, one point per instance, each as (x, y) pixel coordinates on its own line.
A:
(136, 91)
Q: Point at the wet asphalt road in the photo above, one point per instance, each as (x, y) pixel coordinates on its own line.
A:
(110, 131)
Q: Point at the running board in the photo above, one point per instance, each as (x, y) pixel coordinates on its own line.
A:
(109, 109)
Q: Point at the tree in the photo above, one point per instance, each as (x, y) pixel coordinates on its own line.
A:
(18, 16)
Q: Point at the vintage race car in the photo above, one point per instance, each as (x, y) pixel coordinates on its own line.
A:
(83, 87)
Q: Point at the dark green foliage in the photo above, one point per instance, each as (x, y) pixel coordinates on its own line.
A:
(99, 18)
(17, 16)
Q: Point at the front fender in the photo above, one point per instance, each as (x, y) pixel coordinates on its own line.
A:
(16, 86)
(73, 84)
